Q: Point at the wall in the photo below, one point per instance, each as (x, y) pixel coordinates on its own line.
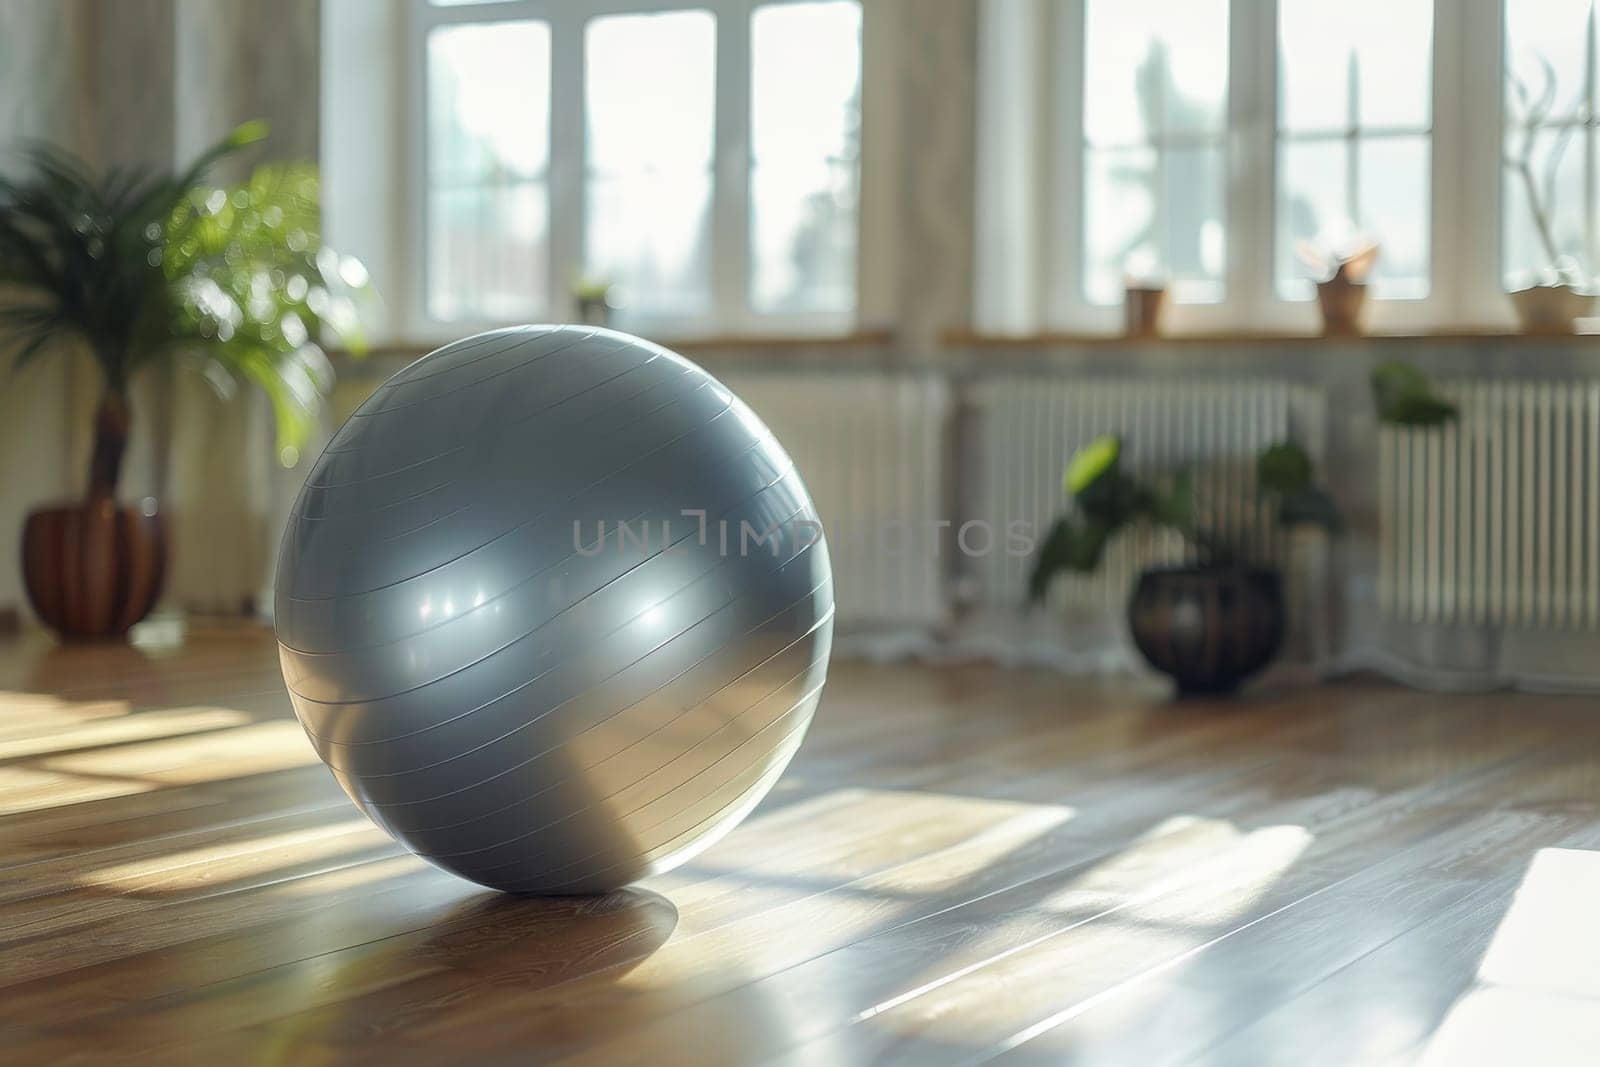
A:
(41, 58)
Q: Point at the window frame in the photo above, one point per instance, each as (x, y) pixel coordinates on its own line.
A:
(1032, 76)
(731, 309)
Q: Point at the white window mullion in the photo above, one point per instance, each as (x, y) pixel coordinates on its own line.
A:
(1448, 240)
(568, 159)
(1591, 248)
(1252, 160)
(1065, 301)
(415, 180)
(1017, 204)
(1469, 172)
(730, 220)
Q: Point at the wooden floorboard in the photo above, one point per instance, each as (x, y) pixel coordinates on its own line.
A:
(963, 865)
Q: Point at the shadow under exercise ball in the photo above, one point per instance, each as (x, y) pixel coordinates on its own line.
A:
(555, 608)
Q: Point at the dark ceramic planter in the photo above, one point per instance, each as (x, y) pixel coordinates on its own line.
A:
(1208, 628)
(94, 569)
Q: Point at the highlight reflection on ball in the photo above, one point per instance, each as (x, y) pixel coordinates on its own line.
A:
(555, 608)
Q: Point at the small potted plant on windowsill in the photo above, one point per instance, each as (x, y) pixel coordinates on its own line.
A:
(139, 269)
(593, 298)
(1214, 620)
(1340, 269)
(1144, 295)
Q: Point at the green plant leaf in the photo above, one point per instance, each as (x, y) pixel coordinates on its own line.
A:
(256, 292)
(1074, 544)
(1050, 561)
(1283, 468)
(1404, 397)
(1091, 463)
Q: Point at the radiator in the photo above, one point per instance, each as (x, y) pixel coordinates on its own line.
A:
(1495, 519)
(1027, 426)
(870, 446)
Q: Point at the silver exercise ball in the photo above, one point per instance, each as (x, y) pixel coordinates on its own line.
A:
(555, 608)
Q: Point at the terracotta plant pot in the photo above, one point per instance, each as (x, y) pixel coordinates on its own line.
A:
(1141, 310)
(1341, 302)
(93, 569)
(1208, 628)
(1550, 309)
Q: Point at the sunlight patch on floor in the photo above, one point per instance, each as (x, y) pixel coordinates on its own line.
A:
(210, 757)
(837, 877)
(838, 836)
(24, 789)
(1536, 997)
(1114, 925)
(231, 861)
(22, 712)
(121, 730)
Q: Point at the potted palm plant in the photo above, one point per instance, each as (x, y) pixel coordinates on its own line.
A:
(1219, 617)
(139, 268)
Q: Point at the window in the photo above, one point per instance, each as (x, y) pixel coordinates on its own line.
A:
(1154, 127)
(1355, 92)
(716, 153)
(1231, 148)
(805, 128)
(488, 151)
(650, 154)
(1550, 180)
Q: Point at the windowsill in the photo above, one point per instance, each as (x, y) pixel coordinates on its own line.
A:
(724, 342)
(852, 339)
(966, 338)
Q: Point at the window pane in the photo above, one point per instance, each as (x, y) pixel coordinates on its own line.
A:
(487, 252)
(1355, 111)
(650, 88)
(1356, 63)
(1155, 107)
(1556, 168)
(1128, 234)
(805, 62)
(648, 236)
(1194, 252)
(1154, 67)
(1313, 190)
(1546, 46)
(488, 147)
(1120, 217)
(1394, 192)
(1548, 199)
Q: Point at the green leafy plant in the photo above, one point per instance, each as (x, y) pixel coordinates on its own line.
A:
(1107, 500)
(1404, 397)
(142, 267)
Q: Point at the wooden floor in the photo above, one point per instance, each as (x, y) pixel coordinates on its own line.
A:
(962, 865)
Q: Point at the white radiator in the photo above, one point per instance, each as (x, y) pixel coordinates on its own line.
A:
(870, 446)
(1029, 425)
(1495, 519)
